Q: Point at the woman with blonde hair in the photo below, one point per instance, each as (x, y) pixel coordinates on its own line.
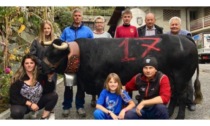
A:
(40, 43)
(46, 35)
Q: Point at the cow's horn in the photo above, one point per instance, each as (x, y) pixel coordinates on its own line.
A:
(47, 43)
(63, 46)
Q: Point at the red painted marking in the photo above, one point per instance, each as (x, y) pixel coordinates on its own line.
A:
(126, 51)
(149, 46)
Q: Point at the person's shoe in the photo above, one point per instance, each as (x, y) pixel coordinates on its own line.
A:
(93, 103)
(192, 107)
(44, 118)
(66, 112)
(33, 115)
(81, 112)
(51, 116)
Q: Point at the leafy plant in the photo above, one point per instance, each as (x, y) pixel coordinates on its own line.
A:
(5, 80)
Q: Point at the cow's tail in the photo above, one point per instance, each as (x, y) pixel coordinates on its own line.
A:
(197, 87)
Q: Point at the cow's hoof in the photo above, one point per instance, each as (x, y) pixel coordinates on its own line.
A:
(81, 112)
(93, 103)
(180, 117)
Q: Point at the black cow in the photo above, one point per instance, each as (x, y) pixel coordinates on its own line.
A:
(177, 57)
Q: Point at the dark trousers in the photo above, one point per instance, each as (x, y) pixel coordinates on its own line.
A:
(68, 98)
(47, 101)
(190, 93)
(158, 111)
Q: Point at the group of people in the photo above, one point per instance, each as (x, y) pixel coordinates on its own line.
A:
(31, 90)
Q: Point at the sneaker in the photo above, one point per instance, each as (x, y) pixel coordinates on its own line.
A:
(43, 118)
(93, 103)
(33, 115)
(192, 107)
(81, 112)
(66, 112)
(51, 116)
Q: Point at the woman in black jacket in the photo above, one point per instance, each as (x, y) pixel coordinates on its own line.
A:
(31, 91)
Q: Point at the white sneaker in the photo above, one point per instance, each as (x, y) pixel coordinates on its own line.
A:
(52, 116)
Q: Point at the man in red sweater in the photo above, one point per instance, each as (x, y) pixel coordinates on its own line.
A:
(154, 92)
(126, 30)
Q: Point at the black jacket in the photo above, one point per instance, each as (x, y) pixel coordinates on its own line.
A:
(38, 50)
(142, 30)
(14, 92)
(148, 90)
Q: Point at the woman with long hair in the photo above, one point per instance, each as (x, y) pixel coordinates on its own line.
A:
(31, 90)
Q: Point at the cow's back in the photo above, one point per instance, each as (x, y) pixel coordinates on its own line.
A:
(101, 56)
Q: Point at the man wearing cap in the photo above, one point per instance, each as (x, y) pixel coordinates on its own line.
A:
(154, 92)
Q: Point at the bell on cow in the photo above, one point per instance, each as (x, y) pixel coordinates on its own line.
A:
(69, 79)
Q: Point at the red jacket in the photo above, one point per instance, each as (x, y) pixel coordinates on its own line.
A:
(164, 87)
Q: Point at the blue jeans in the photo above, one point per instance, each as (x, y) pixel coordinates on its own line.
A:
(158, 111)
(68, 98)
(98, 114)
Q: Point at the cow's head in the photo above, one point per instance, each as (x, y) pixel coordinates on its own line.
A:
(54, 55)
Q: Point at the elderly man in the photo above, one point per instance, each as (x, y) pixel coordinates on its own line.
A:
(175, 26)
(150, 28)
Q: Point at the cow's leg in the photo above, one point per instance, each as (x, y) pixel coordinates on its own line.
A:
(182, 98)
(172, 105)
(93, 101)
(173, 101)
(182, 105)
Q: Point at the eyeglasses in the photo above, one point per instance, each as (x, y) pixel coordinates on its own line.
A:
(99, 22)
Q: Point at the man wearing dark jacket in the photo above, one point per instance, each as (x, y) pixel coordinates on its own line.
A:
(154, 92)
(149, 29)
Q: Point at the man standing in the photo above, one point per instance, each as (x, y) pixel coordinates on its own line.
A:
(154, 92)
(69, 34)
(150, 28)
(126, 30)
(175, 26)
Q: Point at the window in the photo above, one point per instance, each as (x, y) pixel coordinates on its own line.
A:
(193, 15)
(206, 11)
(167, 14)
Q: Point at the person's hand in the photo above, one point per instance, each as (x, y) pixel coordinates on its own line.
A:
(123, 87)
(115, 117)
(122, 114)
(139, 108)
(34, 107)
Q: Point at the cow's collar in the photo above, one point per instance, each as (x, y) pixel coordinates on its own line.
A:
(73, 58)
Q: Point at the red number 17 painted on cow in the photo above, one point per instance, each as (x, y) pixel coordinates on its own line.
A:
(149, 47)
